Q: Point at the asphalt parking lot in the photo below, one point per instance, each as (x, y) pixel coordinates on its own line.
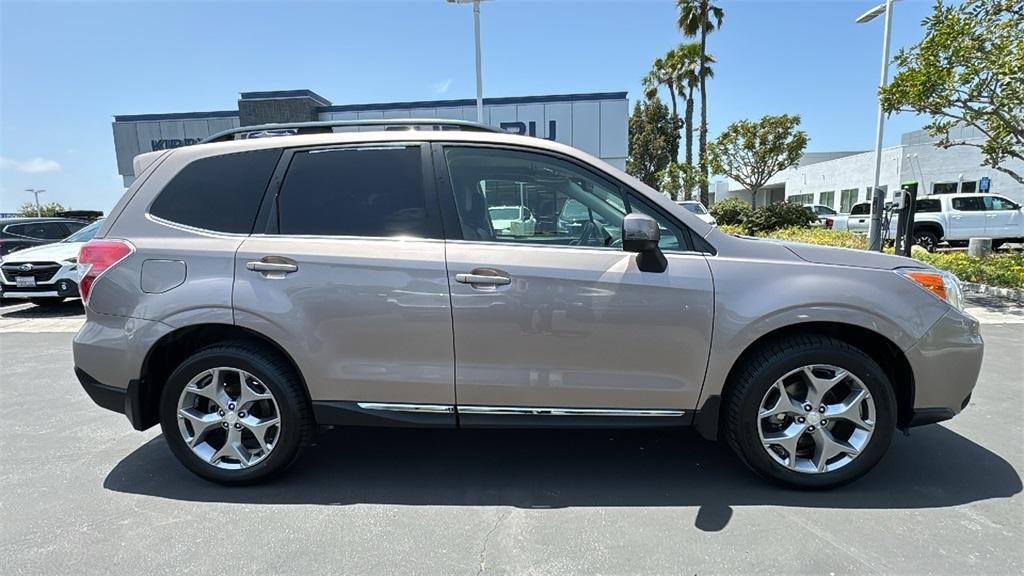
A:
(81, 492)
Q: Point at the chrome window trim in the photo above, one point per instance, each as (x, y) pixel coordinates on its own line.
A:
(538, 411)
(399, 407)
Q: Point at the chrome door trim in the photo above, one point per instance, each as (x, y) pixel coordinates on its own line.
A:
(399, 407)
(537, 411)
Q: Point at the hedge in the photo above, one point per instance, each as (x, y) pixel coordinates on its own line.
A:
(1005, 270)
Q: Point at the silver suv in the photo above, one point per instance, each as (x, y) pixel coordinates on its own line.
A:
(245, 292)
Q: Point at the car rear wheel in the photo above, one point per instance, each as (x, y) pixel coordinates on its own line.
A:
(926, 239)
(235, 414)
(810, 411)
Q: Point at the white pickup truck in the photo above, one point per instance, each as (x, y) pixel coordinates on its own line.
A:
(952, 218)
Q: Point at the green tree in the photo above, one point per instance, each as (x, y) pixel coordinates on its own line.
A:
(47, 209)
(968, 70)
(698, 18)
(670, 181)
(752, 152)
(653, 141)
(666, 71)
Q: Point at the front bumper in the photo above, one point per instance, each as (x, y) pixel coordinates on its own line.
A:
(946, 363)
(63, 284)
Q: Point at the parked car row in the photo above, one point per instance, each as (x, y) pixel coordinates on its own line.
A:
(42, 269)
(951, 218)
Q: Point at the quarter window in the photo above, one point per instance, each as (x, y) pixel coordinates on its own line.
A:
(219, 193)
(359, 191)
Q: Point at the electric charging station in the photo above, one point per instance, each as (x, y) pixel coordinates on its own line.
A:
(903, 203)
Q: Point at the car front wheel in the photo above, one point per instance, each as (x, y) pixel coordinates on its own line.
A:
(235, 414)
(810, 411)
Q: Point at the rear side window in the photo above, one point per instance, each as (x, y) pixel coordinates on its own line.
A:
(39, 230)
(354, 192)
(219, 193)
(864, 208)
(972, 204)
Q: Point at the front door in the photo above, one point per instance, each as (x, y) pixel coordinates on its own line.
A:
(1003, 218)
(349, 277)
(559, 317)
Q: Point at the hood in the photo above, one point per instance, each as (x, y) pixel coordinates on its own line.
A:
(850, 257)
(46, 253)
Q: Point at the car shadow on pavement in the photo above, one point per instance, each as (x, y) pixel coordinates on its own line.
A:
(932, 468)
(65, 309)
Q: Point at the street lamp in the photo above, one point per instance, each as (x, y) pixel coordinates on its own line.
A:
(877, 197)
(36, 192)
(476, 33)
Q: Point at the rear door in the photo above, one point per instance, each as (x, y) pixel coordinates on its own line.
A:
(559, 319)
(348, 274)
(966, 218)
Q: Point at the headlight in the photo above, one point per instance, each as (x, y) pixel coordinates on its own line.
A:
(72, 260)
(940, 283)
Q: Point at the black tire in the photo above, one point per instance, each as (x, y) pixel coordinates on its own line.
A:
(926, 239)
(297, 425)
(772, 362)
(997, 244)
(46, 302)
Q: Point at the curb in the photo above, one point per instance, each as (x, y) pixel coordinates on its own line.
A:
(1012, 294)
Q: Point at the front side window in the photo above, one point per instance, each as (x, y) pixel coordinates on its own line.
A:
(219, 193)
(358, 191)
(999, 203)
(972, 204)
(557, 203)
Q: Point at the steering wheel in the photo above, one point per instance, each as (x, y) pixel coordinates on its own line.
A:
(592, 234)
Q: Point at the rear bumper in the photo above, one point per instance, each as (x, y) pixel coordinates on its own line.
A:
(125, 401)
(946, 363)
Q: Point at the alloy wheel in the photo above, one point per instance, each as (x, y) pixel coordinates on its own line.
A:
(228, 418)
(816, 419)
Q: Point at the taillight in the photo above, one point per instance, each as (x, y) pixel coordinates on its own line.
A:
(95, 258)
(829, 222)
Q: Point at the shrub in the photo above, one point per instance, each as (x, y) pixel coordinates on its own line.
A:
(778, 216)
(731, 211)
(823, 237)
(1005, 270)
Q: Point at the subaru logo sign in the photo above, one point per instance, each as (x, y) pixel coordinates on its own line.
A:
(26, 267)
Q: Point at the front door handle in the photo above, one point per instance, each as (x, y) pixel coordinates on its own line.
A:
(484, 277)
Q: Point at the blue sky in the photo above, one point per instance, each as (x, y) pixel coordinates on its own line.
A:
(67, 68)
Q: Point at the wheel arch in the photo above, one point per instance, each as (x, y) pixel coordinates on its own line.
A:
(930, 226)
(174, 347)
(880, 348)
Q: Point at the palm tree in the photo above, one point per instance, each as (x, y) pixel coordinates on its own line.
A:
(664, 72)
(691, 69)
(700, 18)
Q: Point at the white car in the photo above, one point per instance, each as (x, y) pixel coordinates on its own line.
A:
(822, 211)
(699, 210)
(512, 220)
(48, 274)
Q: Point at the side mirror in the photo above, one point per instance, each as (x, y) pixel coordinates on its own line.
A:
(640, 234)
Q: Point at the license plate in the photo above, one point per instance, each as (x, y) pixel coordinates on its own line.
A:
(25, 281)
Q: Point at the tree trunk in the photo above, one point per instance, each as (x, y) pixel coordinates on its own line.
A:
(689, 129)
(703, 120)
(753, 198)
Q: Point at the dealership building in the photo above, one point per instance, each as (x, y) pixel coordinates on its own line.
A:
(841, 179)
(596, 123)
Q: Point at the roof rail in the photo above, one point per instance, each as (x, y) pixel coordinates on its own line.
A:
(326, 127)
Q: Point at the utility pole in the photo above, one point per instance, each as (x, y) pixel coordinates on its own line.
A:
(36, 192)
(877, 196)
(479, 78)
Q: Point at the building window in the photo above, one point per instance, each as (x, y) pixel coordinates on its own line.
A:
(827, 198)
(847, 198)
(944, 188)
(801, 199)
(969, 187)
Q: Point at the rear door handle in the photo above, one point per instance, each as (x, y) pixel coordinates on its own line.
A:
(273, 266)
(484, 277)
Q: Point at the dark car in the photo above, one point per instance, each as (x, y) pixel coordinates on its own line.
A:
(18, 233)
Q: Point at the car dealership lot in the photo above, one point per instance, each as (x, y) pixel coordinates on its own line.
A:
(81, 491)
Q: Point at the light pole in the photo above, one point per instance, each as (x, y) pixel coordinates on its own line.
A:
(479, 78)
(36, 192)
(877, 196)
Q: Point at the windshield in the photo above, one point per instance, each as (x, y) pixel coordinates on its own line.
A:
(85, 234)
(695, 208)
